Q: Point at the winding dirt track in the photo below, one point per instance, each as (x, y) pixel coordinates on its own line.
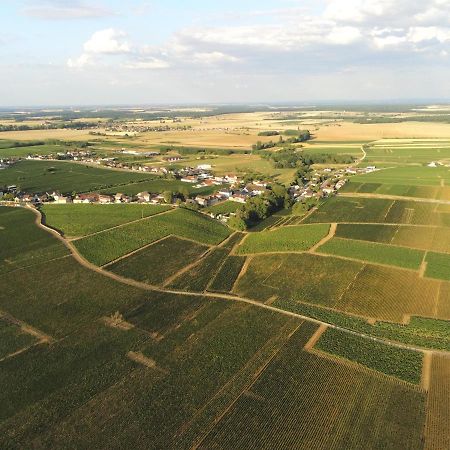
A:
(229, 297)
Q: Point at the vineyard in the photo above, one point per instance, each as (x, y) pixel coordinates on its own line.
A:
(438, 415)
(13, 339)
(400, 363)
(374, 253)
(198, 277)
(79, 220)
(227, 274)
(109, 245)
(156, 263)
(438, 266)
(122, 358)
(313, 402)
(372, 291)
(424, 237)
(284, 239)
(25, 245)
(378, 210)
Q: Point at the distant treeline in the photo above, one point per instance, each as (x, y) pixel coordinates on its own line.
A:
(50, 126)
(297, 137)
(443, 118)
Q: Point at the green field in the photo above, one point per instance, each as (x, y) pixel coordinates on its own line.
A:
(409, 175)
(227, 275)
(8, 150)
(373, 252)
(22, 243)
(226, 207)
(424, 238)
(210, 373)
(368, 290)
(407, 152)
(156, 186)
(285, 239)
(13, 339)
(314, 402)
(66, 177)
(159, 261)
(438, 266)
(109, 245)
(397, 362)
(77, 220)
(199, 276)
(376, 210)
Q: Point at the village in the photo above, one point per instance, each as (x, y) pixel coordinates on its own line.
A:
(321, 183)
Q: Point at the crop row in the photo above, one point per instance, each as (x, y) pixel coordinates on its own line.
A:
(284, 239)
(112, 244)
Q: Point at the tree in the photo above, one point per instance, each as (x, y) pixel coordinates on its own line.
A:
(167, 196)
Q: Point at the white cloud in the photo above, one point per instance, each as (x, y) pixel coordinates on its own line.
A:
(148, 64)
(80, 62)
(109, 41)
(66, 10)
(213, 57)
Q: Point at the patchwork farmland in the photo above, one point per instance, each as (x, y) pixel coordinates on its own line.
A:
(157, 326)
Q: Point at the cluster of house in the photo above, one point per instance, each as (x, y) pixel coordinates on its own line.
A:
(5, 163)
(235, 193)
(326, 182)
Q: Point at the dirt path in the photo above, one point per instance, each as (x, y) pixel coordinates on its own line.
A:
(426, 371)
(393, 197)
(423, 265)
(229, 297)
(324, 240)
(315, 337)
(26, 328)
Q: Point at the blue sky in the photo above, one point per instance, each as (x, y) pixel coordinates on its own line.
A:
(72, 52)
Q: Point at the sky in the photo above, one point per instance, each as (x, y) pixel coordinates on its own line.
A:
(86, 52)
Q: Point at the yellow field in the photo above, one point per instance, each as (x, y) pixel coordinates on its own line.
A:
(354, 131)
(72, 135)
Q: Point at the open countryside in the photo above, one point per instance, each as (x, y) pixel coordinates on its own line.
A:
(199, 250)
(350, 258)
